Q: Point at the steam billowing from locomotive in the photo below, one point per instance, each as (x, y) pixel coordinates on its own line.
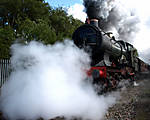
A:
(98, 8)
(113, 17)
(49, 81)
(128, 20)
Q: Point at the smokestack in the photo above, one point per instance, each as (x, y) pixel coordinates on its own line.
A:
(94, 22)
(92, 11)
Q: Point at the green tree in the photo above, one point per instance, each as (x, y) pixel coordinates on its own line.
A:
(33, 20)
(63, 24)
(40, 31)
(7, 37)
(13, 12)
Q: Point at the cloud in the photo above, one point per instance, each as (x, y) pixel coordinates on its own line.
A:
(77, 11)
(49, 81)
(141, 42)
(141, 10)
(129, 20)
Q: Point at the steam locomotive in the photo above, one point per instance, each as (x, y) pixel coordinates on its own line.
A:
(112, 60)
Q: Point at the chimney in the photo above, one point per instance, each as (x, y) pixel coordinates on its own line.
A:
(94, 22)
(93, 14)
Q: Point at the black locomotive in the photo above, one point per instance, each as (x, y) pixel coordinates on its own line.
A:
(112, 60)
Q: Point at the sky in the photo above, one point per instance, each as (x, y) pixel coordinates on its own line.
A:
(66, 3)
(74, 7)
(77, 11)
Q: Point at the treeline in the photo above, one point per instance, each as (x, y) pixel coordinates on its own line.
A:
(26, 20)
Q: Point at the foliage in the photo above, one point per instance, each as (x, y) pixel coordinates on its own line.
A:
(33, 20)
(6, 39)
(40, 31)
(64, 25)
(13, 12)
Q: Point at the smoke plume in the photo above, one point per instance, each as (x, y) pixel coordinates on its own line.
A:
(114, 17)
(102, 7)
(49, 81)
(127, 19)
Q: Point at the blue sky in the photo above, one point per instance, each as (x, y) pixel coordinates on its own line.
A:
(66, 3)
(74, 7)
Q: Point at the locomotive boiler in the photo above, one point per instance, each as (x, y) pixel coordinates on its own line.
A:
(103, 46)
(112, 60)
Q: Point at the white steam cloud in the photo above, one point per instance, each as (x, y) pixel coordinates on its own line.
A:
(127, 19)
(49, 81)
(77, 11)
(141, 38)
